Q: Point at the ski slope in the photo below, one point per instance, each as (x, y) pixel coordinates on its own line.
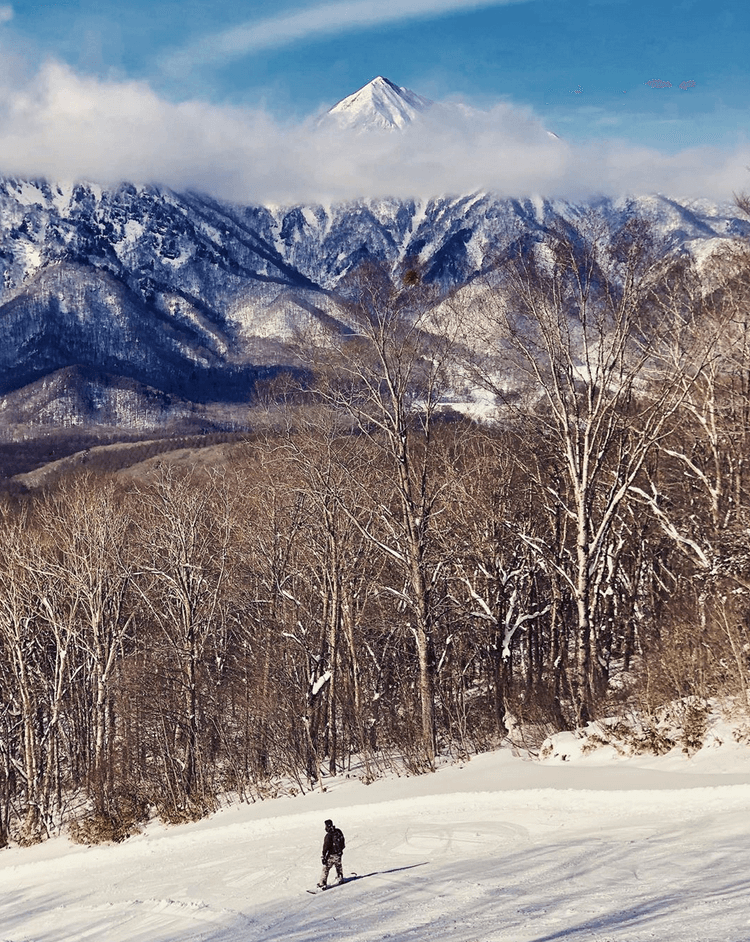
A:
(498, 849)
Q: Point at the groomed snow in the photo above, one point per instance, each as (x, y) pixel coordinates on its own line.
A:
(498, 849)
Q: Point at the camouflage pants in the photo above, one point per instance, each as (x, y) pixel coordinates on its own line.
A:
(332, 860)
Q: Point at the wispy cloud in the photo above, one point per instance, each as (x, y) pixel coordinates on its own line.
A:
(311, 22)
(61, 125)
(6, 13)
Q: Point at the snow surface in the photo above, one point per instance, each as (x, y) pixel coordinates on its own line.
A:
(496, 849)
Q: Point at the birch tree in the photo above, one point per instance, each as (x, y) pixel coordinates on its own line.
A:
(187, 526)
(575, 314)
(90, 525)
(497, 578)
(388, 375)
(39, 635)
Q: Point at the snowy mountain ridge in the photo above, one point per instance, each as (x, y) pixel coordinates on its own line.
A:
(139, 306)
(180, 298)
(379, 105)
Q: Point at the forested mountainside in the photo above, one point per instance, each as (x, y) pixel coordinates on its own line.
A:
(373, 572)
(141, 308)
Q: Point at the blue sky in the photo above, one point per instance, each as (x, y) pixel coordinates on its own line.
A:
(578, 67)
(582, 65)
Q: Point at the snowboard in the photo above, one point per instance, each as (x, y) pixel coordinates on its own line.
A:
(322, 889)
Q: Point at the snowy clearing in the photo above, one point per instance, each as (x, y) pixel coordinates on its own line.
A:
(499, 849)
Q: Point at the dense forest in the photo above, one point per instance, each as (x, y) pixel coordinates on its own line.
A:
(380, 577)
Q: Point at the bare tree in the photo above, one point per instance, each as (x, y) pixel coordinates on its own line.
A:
(320, 457)
(697, 493)
(576, 316)
(187, 524)
(499, 583)
(389, 376)
(39, 637)
(87, 518)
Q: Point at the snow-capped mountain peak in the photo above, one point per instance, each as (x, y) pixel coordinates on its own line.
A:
(379, 105)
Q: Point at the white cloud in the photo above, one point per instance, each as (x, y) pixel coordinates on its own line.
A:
(311, 22)
(6, 13)
(60, 125)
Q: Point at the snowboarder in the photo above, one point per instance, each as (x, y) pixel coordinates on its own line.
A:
(333, 848)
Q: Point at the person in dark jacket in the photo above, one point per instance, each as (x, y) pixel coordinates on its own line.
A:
(333, 849)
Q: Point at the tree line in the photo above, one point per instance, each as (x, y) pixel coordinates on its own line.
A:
(379, 577)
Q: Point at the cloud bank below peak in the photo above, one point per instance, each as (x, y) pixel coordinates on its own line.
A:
(60, 125)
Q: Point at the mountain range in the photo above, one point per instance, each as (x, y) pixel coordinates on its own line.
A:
(136, 308)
